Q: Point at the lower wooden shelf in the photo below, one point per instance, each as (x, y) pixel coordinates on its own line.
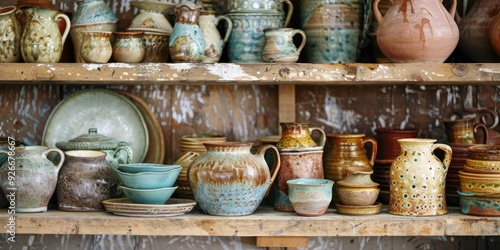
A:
(264, 222)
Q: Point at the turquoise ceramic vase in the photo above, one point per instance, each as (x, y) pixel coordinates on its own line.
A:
(186, 42)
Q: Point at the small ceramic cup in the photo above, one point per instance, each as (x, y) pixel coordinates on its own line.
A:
(96, 46)
(309, 196)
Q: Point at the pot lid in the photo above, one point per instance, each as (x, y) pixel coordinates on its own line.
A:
(91, 141)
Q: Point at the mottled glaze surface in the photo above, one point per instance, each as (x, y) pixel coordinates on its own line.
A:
(479, 204)
(92, 12)
(148, 180)
(10, 35)
(155, 47)
(35, 177)
(464, 130)
(228, 180)
(309, 196)
(417, 179)
(96, 47)
(128, 47)
(85, 180)
(214, 43)
(280, 47)
(297, 135)
(186, 42)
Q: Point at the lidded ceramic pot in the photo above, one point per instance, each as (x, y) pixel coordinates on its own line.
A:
(117, 152)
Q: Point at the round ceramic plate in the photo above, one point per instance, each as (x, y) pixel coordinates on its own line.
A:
(156, 149)
(124, 207)
(112, 114)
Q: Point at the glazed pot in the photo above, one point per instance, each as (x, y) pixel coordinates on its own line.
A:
(35, 177)
(297, 135)
(214, 43)
(10, 35)
(280, 47)
(186, 42)
(417, 31)
(417, 178)
(85, 180)
(309, 196)
(128, 47)
(155, 47)
(358, 189)
(96, 46)
(228, 180)
(464, 130)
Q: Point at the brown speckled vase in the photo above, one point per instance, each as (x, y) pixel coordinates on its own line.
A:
(85, 180)
(417, 178)
(35, 177)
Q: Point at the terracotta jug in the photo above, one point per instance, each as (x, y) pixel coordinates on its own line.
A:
(347, 150)
(464, 130)
(85, 180)
(474, 31)
(229, 180)
(214, 43)
(186, 42)
(35, 177)
(298, 135)
(417, 178)
(417, 31)
(10, 35)
(41, 41)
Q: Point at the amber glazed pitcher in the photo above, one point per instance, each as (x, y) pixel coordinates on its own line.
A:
(417, 178)
(417, 31)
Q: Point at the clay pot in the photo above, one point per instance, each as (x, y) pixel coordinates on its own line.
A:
(96, 46)
(358, 189)
(128, 47)
(417, 31)
(228, 180)
(85, 180)
(387, 140)
(310, 197)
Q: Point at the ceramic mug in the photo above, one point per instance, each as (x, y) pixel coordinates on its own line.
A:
(280, 47)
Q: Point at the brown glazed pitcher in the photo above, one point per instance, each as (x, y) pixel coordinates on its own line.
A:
(298, 135)
(463, 130)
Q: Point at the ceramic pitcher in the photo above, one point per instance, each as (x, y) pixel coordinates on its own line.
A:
(85, 180)
(186, 42)
(41, 41)
(298, 135)
(474, 30)
(10, 35)
(464, 130)
(32, 175)
(214, 43)
(280, 47)
(417, 178)
(417, 31)
(229, 180)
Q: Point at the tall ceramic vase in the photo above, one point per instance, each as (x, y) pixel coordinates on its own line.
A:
(418, 178)
(10, 35)
(186, 42)
(474, 31)
(35, 177)
(417, 31)
(41, 41)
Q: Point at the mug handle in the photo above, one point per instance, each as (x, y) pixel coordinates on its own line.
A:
(128, 152)
(483, 127)
(68, 26)
(277, 162)
(289, 11)
(304, 39)
(322, 135)
(229, 27)
(447, 154)
(371, 140)
(58, 151)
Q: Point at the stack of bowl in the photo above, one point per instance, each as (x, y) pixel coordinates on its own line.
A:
(147, 183)
(459, 153)
(192, 147)
(479, 191)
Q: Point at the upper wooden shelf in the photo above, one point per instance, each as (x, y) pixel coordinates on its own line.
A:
(264, 222)
(228, 73)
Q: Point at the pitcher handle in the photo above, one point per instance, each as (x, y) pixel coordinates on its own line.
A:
(128, 152)
(58, 151)
(322, 135)
(453, 8)
(303, 42)
(277, 162)
(68, 26)
(229, 27)
(485, 131)
(289, 11)
(377, 13)
(371, 140)
(447, 154)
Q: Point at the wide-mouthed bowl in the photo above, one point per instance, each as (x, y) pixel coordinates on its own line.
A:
(146, 167)
(148, 180)
(479, 183)
(148, 196)
(479, 204)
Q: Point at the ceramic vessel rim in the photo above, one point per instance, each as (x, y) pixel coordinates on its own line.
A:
(310, 182)
(128, 33)
(417, 140)
(482, 195)
(232, 144)
(482, 162)
(96, 32)
(490, 149)
(278, 29)
(396, 131)
(10, 9)
(345, 135)
(458, 120)
(478, 176)
(92, 24)
(85, 153)
(148, 190)
(254, 14)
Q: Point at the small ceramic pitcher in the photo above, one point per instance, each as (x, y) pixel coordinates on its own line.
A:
(35, 177)
(463, 130)
(213, 41)
(10, 35)
(187, 43)
(280, 47)
(298, 135)
(41, 41)
(418, 178)
(96, 46)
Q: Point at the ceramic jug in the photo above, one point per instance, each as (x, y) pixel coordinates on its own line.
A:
(280, 47)
(228, 180)
(474, 30)
(214, 44)
(417, 31)
(35, 177)
(336, 30)
(186, 42)
(347, 150)
(417, 178)
(41, 41)
(464, 130)
(298, 135)
(85, 180)
(10, 35)
(96, 46)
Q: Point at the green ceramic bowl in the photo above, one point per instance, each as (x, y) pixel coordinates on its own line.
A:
(146, 167)
(148, 180)
(148, 196)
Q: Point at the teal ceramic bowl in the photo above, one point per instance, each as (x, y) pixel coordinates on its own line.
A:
(148, 180)
(310, 196)
(146, 167)
(479, 204)
(148, 196)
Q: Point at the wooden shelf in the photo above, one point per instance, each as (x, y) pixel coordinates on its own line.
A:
(227, 73)
(264, 222)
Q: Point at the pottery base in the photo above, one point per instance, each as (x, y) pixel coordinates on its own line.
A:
(359, 210)
(78, 209)
(31, 210)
